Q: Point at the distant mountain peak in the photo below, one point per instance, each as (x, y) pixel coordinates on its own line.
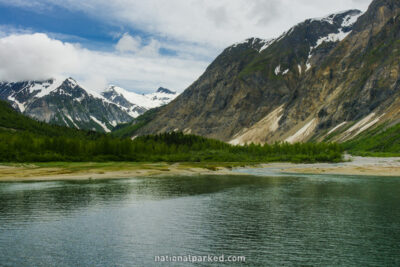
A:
(136, 104)
(165, 91)
(71, 81)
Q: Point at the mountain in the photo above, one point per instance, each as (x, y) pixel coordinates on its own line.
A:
(63, 102)
(13, 122)
(328, 78)
(136, 104)
(165, 91)
(66, 103)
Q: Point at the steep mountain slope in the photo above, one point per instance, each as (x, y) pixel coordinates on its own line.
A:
(328, 78)
(357, 85)
(379, 141)
(14, 122)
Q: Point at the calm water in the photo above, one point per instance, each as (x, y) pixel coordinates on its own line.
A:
(307, 220)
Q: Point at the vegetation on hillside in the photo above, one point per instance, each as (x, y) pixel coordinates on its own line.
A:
(15, 123)
(25, 140)
(380, 141)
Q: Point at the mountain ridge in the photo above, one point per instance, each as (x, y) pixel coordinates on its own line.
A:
(313, 80)
(65, 102)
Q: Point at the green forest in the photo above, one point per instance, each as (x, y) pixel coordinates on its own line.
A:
(169, 147)
(25, 140)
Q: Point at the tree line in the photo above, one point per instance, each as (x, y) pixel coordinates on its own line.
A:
(169, 147)
(23, 139)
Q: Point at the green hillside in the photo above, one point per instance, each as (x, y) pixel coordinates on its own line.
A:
(381, 141)
(14, 122)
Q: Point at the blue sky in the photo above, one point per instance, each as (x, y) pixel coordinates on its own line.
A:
(137, 44)
(70, 26)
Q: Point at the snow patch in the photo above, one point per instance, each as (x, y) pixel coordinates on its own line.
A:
(69, 117)
(308, 66)
(100, 123)
(66, 123)
(72, 82)
(299, 67)
(21, 106)
(285, 72)
(241, 42)
(147, 101)
(331, 18)
(349, 20)
(45, 88)
(267, 43)
(277, 69)
(332, 37)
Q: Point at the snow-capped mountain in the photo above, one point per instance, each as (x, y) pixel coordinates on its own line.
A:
(136, 104)
(64, 102)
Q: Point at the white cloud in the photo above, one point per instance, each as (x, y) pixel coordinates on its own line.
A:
(128, 43)
(197, 30)
(37, 56)
(212, 23)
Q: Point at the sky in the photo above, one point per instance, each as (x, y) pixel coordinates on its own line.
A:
(136, 44)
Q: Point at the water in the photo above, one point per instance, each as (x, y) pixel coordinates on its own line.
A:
(272, 221)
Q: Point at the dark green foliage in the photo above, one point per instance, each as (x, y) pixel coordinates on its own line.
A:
(12, 121)
(25, 140)
(380, 141)
(170, 147)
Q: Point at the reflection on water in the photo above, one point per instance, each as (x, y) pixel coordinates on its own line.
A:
(319, 221)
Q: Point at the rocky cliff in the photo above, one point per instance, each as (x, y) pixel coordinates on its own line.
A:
(329, 78)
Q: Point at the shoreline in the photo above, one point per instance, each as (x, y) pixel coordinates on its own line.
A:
(368, 166)
(90, 170)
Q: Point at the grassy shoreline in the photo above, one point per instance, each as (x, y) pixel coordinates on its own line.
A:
(49, 171)
(108, 170)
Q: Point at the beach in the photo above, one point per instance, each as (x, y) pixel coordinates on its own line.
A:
(115, 170)
(371, 166)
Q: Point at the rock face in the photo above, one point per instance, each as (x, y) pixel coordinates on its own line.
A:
(325, 79)
(66, 103)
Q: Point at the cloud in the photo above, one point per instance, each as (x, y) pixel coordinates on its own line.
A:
(194, 30)
(129, 44)
(212, 23)
(37, 56)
